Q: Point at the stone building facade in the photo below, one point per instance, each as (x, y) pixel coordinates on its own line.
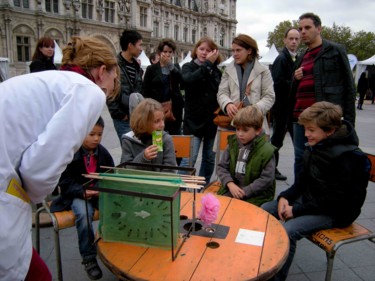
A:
(23, 22)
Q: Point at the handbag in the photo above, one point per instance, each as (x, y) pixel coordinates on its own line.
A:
(223, 120)
(168, 113)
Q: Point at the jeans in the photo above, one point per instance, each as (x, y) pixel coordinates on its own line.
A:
(85, 231)
(297, 228)
(299, 141)
(121, 127)
(208, 157)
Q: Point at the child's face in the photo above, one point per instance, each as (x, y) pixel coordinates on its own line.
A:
(158, 124)
(247, 134)
(315, 134)
(93, 139)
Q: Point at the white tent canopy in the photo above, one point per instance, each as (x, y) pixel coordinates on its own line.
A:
(270, 57)
(226, 62)
(57, 58)
(361, 66)
(186, 59)
(145, 61)
(4, 69)
(352, 61)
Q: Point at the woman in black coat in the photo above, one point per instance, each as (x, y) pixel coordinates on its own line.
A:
(201, 78)
(161, 82)
(43, 56)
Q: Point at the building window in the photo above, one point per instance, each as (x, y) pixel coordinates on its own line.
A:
(185, 35)
(222, 37)
(166, 14)
(52, 6)
(176, 17)
(193, 35)
(109, 11)
(21, 3)
(156, 29)
(143, 16)
(176, 31)
(87, 9)
(166, 30)
(23, 48)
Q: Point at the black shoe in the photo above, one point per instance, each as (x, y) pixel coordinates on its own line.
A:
(92, 269)
(279, 176)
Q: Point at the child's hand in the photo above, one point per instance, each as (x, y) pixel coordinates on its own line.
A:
(90, 194)
(284, 209)
(235, 190)
(151, 152)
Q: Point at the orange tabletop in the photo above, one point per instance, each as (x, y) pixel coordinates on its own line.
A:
(232, 260)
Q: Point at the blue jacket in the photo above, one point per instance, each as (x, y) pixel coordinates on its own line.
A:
(71, 181)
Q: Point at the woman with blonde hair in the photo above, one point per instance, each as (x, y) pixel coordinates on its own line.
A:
(246, 79)
(45, 118)
(138, 145)
(201, 78)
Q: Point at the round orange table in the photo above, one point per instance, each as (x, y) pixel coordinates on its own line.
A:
(232, 260)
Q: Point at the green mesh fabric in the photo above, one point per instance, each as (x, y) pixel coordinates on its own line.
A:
(135, 219)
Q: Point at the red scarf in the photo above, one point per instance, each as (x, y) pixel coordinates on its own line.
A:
(77, 69)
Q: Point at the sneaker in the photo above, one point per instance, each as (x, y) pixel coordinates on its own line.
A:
(92, 269)
(279, 176)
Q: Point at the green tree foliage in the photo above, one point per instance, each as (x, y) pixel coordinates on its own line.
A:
(361, 44)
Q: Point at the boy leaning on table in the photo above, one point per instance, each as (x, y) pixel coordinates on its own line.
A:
(331, 188)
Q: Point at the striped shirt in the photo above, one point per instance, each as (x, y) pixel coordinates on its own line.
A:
(305, 95)
(131, 70)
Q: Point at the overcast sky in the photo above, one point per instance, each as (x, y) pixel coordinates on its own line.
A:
(257, 18)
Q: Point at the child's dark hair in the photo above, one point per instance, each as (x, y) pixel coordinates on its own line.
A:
(325, 115)
(250, 116)
(100, 122)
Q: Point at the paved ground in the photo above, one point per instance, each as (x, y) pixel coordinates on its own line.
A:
(353, 262)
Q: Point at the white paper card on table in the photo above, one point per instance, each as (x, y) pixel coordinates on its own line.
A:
(250, 237)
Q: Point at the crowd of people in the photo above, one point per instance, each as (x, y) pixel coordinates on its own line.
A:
(311, 95)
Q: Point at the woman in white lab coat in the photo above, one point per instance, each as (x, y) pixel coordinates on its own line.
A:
(45, 117)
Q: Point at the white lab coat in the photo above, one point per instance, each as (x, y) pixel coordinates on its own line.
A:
(44, 118)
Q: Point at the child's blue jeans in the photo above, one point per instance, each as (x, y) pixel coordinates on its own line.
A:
(85, 231)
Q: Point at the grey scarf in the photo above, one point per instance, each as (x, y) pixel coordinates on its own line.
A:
(243, 77)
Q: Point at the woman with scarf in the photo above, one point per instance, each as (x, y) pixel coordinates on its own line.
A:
(246, 79)
(45, 118)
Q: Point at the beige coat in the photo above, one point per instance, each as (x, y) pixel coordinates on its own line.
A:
(262, 94)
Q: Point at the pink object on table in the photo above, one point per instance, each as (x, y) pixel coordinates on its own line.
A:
(210, 209)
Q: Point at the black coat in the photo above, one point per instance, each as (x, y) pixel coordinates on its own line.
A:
(119, 108)
(334, 179)
(153, 88)
(333, 79)
(71, 181)
(282, 75)
(201, 87)
(42, 65)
